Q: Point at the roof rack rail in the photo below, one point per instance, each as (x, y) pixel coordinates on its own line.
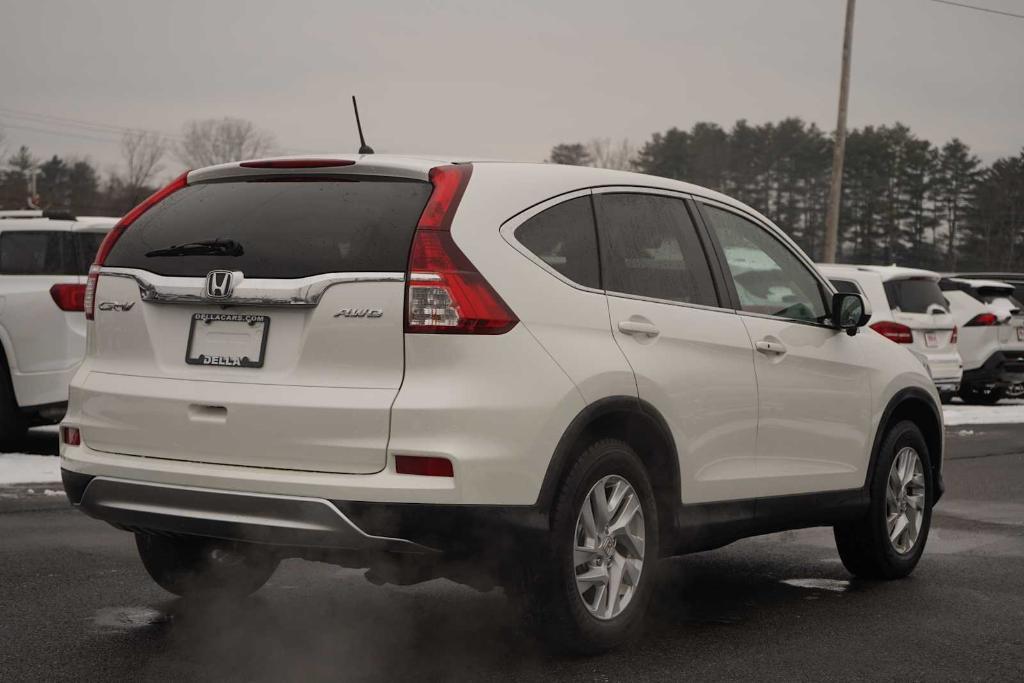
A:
(59, 215)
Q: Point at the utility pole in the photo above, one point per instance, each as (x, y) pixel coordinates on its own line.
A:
(835, 190)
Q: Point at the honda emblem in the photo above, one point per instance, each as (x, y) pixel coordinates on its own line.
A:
(219, 284)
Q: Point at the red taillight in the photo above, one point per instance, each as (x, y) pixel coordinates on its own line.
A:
(897, 332)
(445, 293)
(71, 436)
(983, 320)
(953, 337)
(424, 466)
(297, 163)
(108, 242)
(68, 297)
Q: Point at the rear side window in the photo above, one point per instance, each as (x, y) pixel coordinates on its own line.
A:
(564, 237)
(38, 253)
(287, 228)
(649, 248)
(914, 295)
(845, 286)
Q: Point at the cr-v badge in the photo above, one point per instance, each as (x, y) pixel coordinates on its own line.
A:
(359, 313)
(116, 306)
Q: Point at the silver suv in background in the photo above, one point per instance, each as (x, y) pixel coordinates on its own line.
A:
(991, 338)
(908, 308)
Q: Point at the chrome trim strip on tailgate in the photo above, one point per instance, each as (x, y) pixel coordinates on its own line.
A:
(232, 515)
(307, 291)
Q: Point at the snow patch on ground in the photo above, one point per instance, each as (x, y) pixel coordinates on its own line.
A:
(1004, 412)
(22, 468)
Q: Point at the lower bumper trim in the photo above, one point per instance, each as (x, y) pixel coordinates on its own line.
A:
(231, 515)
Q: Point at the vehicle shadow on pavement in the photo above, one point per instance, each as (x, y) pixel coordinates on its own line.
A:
(36, 442)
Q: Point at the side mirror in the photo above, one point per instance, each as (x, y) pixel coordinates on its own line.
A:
(849, 312)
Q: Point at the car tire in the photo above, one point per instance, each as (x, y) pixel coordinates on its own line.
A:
(13, 423)
(574, 614)
(879, 545)
(977, 397)
(188, 566)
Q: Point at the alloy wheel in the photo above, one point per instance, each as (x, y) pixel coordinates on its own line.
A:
(905, 500)
(609, 545)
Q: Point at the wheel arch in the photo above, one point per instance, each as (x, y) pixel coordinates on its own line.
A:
(916, 405)
(639, 424)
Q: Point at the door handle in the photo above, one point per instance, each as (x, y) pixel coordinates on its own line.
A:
(635, 328)
(770, 348)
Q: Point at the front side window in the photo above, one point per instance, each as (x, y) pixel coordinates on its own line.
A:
(649, 248)
(564, 238)
(770, 279)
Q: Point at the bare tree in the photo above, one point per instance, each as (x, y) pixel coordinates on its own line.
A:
(606, 154)
(218, 141)
(142, 152)
(3, 147)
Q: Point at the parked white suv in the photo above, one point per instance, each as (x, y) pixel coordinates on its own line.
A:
(43, 263)
(991, 324)
(535, 376)
(908, 308)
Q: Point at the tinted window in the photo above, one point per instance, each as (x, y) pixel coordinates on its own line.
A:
(649, 248)
(87, 243)
(287, 229)
(37, 253)
(564, 238)
(769, 277)
(915, 295)
(845, 286)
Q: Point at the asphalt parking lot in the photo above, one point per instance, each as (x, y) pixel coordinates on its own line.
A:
(76, 604)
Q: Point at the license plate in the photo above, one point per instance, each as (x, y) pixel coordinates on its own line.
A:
(231, 340)
(1020, 334)
(931, 339)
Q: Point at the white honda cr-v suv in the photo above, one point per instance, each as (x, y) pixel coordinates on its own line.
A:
(534, 376)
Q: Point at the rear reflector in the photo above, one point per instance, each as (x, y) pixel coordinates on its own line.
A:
(424, 466)
(108, 242)
(897, 332)
(983, 320)
(297, 163)
(445, 293)
(71, 436)
(953, 337)
(68, 297)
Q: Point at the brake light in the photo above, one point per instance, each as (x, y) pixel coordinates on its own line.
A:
(297, 163)
(71, 436)
(115, 234)
(68, 297)
(953, 337)
(424, 466)
(445, 293)
(897, 332)
(983, 320)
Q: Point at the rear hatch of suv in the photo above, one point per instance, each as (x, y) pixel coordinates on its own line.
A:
(918, 303)
(255, 320)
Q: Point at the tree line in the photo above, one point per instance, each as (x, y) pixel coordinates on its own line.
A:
(905, 200)
(78, 186)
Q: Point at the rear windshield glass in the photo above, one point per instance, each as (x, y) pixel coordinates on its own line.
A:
(285, 228)
(915, 295)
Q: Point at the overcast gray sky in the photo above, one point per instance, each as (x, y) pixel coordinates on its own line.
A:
(501, 79)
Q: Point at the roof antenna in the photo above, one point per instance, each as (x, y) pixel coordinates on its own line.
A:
(363, 147)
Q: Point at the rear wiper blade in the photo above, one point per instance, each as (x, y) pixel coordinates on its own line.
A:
(217, 247)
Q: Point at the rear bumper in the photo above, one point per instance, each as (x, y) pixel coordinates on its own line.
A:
(1001, 370)
(297, 522)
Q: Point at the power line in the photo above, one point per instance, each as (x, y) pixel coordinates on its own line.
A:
(979, 8)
